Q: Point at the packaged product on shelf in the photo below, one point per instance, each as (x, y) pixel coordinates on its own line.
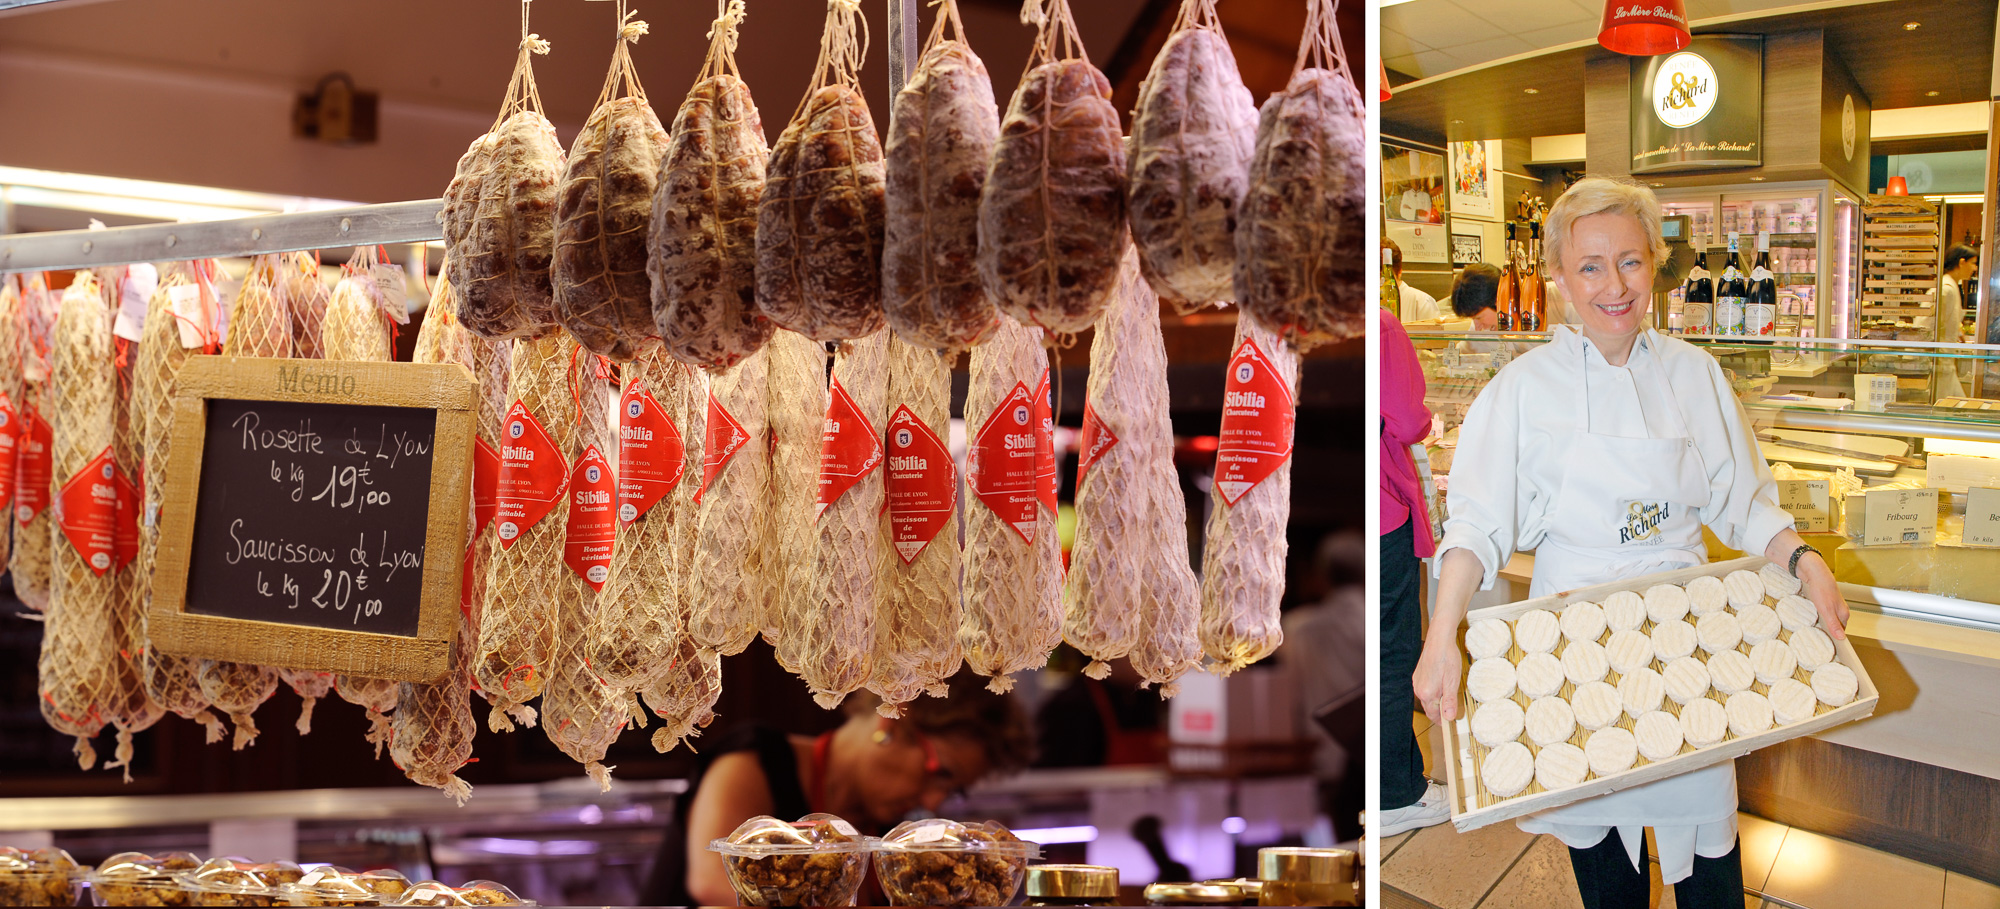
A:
(42, 877)
(1243, 562)
(937, 862)
(916, 632)
(817, 861)
(837, 621)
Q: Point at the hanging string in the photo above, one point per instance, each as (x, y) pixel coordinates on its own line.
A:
(522, 92)
(630, 30)
(729, 14)
(1321, 44)
(1056, 37)
(947, 15)
(1199, 14)
(843, 44)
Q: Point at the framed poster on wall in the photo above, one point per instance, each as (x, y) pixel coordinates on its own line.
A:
(1465, 249)
(1427, 243)
(1412, 185)
(1475, 179)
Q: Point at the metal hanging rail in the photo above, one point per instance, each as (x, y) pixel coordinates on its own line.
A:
(364, 225)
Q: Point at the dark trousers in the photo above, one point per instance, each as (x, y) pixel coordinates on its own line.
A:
(1606, 880)
(1402, 606)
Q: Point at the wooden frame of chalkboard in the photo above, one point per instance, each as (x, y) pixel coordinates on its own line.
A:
(320, 417)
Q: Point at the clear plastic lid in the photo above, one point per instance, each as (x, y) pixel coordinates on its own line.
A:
(766, 835)
(474, 893)
(941, 835)
(138, 866)
(241, 876)
(38, 861)
(335, 886)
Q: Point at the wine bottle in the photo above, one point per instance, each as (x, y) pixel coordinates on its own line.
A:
(1698, 308)
(1730, 293)
(1392, 296)
(1510, 287)
(1760, 312)
(1535, 311)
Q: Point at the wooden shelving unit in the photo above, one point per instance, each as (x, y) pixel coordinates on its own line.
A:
(1899, 251)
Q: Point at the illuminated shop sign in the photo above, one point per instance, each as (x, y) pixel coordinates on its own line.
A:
(1702, 107)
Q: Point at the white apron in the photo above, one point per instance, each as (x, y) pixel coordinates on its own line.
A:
(1627, 507)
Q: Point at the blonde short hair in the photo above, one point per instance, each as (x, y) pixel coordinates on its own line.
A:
(1596, 196)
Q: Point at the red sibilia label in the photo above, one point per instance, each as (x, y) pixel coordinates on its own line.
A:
(592, 527)
(1045, 446)
(35, 469)
(650, 453)
(1257, 422)
(1094, 441)
(87, 512)
(723, 438)
(849, 448)
(1000, 465)
(532, 475)
(10, 446)
(922, 484)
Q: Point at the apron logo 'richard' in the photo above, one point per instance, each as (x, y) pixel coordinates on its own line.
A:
(1643, 520)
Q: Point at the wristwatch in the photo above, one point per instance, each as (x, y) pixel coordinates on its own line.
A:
(1797, 554)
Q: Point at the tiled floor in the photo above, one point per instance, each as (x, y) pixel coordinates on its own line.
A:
(1500, 867)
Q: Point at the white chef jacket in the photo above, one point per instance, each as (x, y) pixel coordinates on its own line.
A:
(1417, 305)
(1513, 451)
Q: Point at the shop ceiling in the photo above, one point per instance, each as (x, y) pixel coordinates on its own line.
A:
(1947, 59)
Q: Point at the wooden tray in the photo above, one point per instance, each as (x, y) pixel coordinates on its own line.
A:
(1473, 807)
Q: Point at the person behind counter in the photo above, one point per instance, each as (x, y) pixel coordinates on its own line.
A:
(871, 771)
(1961, 262)
(1554, 456)
(1475, 295)
(1417, 305)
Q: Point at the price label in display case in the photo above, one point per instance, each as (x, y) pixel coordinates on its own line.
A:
(1982, 517)
(1900, 516)
(301, 507)
(1809, 502)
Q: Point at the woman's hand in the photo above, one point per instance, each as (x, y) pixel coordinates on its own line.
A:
(1813, 572)
(1437, 677)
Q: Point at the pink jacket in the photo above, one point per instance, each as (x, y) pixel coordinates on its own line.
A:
(1405, 422)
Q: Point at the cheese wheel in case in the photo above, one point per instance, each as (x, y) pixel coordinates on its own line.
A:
(1706, 596)
(1624, 611)
(1759, 623)
(1582, 621)
(1628, 650)
(1791, 701)
(1744, 588)
(1611, 750)
(1539, 675)
(1811, 647)
(1703, 722)
(1595, 705)
(1778, 582)
(1560, 765)
(1507, 769)
(1488, 638)
(1641, 690)
(1497, 722)
(1749, 713)
(1490, 679)
(1666, 603)
(1658, 734)
(1717, 632)
(1687, 679)
(1536, 631)
(1583, 661)
(1550, 720)
(1672, 640)
(1772, 660)
(1833, 684)
(1729, 671)
(1796, 612)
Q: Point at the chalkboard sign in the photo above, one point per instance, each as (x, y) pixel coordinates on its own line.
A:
(302, 500)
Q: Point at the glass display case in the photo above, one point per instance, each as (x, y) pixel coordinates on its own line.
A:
(1841, 420)
(1815, 250)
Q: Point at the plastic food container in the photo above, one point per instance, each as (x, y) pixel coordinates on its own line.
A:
(236, 882)
(818, 860)
(1072, 885)
(138, 879)
(474, 893)
(335, 886)
(44, 877)
(936, 862)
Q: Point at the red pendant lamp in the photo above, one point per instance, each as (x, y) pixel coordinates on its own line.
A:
(1384, 69)
(1643, 28)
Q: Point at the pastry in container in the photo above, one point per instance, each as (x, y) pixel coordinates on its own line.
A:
(818, 860)
(335, 886)
(937, 862)
(42, 877)
(237, 882)
(474, 893)
(138, 879)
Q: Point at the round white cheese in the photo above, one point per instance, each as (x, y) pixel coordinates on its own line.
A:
(1759, 623)
(1550, 720)
(1624, 611)
(1744, 588)
(1641, 690)
(1672, 640)
(1628, 650)
(1777, 581)
(1536, 631)
(1748, 712)
(1490, 679)
(1498, 722)
(1560, 765)
(1488, 638)
(1812, 648)
(1611, 750)
(1659, 735)
(1666, 603)
(1791, 701)
(1582, 622)
(1717, 632)
(1834, 685)
(1539, 675)
(1773, 660)
(1705, 595)
(1583, 661)
(1797, 612)
(1508, 769)
(1687, 679)
(1595, 705)
(1703, 722)
(1730, 672)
